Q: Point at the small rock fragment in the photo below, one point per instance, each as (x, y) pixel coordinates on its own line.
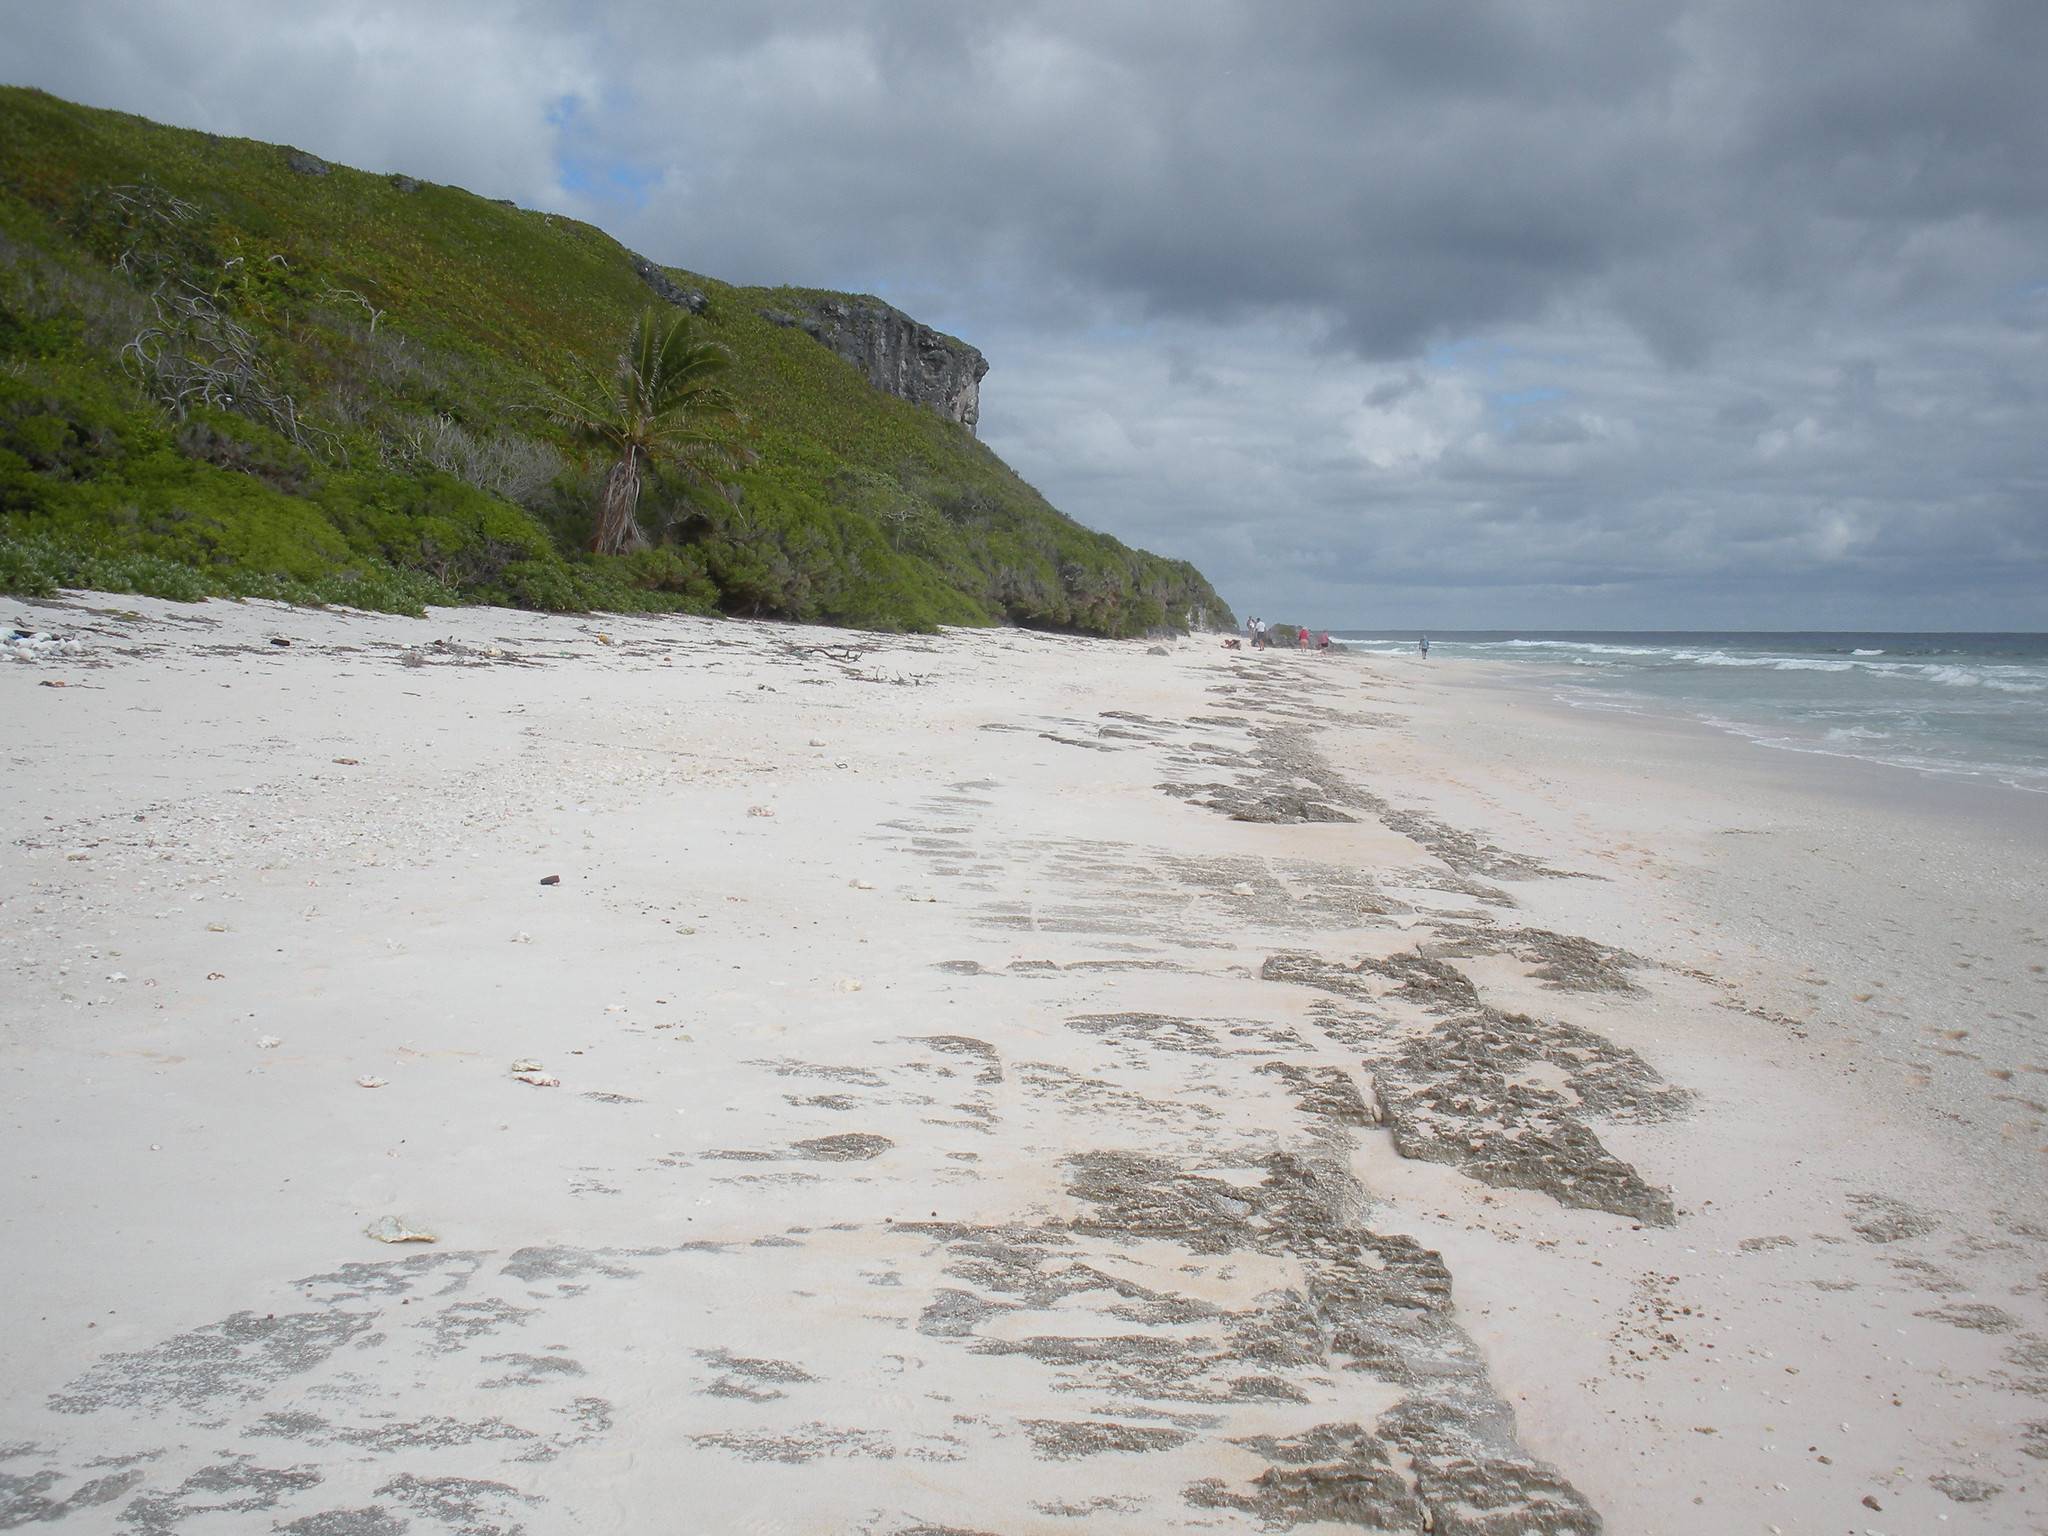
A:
(279, 640)
(760, 810)
(539, 1079)
(268, 1043)
(391, 1229)
(861, 885)
(550, 879)
(366, 1081)
(1241, 889)
(349, 762)
(818, 741)
(525, 1064)
(1870, 1502)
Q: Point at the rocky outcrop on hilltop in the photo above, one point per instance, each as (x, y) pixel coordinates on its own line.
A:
(900, 356)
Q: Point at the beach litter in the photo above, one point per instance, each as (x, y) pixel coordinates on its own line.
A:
(268, 1043)
(391, 1229)
(33, 645)
(539, 1079)
(366, 1081)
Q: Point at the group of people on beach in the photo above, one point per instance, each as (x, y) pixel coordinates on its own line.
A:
(1262, 636)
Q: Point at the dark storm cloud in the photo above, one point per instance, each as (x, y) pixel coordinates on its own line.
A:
(1689, 310)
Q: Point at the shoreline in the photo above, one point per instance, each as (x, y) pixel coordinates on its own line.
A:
(1003, 1081)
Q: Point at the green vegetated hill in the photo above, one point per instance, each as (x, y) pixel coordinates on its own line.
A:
(228, 368)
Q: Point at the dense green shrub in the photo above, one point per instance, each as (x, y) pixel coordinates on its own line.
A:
(218, 376)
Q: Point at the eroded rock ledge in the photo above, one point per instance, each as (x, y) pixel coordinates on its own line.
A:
(900, 356)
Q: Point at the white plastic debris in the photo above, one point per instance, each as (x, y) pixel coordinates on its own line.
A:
(33, 645)
(393, 1229)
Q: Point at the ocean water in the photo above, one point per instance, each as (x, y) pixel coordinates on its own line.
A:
(1966, 705)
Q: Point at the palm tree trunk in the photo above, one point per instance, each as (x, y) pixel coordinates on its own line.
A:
(618, 530)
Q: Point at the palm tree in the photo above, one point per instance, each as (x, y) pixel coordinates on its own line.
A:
(662, 405)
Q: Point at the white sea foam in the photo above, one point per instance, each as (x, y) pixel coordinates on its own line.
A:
(1581, 645)
(1956, 714)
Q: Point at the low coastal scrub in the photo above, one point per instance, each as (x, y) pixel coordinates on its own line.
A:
(229, 369)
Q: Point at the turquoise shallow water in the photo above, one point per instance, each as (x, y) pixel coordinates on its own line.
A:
(1962, 705)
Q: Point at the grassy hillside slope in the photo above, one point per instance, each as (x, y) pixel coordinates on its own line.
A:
(226, 367)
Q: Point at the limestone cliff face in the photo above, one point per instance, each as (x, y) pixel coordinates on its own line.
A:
(899, 355)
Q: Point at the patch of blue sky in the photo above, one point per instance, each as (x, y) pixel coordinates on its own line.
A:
(1509, 406)
(586, 165)
(1477, 354)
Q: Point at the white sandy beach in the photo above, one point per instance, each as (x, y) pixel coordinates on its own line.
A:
(991, 1083)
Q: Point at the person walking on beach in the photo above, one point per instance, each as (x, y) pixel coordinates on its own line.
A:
(1423, 646)
(1301, 638)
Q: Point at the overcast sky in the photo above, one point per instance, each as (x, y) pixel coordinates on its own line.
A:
(1550, 313)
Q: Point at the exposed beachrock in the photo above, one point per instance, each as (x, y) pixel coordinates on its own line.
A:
(1502, 1096)
(1565, 962)
(1368, 1303)
(899, 355)
(1882, 1219)
(1964, 1490)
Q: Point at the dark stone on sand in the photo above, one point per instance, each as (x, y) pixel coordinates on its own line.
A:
(550, 879)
